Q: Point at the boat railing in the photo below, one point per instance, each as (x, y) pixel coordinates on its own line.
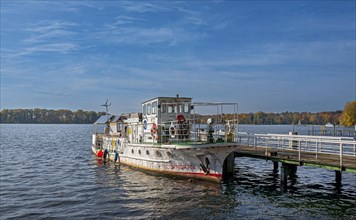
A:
(178, 132)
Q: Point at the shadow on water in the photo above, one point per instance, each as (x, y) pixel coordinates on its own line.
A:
(310, 190)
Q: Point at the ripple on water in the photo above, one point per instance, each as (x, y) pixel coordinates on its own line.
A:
(49, 172)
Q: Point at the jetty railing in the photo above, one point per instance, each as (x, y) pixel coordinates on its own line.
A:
(337, 146)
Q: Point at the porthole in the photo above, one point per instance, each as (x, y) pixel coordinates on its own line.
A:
(132, 151)
(169, 154)
(147, 152)
(158, 154)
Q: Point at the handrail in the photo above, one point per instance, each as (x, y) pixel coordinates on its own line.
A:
(337, 146)
(318, 144)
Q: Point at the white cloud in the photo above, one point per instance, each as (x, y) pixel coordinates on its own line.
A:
(145, 36)
(51, 34)
(50, 25)
(142, 7)
(53, 47)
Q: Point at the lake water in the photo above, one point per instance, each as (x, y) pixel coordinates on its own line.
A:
(48, 171)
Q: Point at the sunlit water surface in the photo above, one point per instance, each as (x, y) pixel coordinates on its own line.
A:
(48, 171)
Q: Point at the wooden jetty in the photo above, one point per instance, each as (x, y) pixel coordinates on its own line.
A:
(334, 153)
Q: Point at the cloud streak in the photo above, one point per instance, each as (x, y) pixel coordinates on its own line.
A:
(135, 50)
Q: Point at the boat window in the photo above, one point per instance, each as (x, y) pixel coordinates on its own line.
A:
(175, 108)
(147, 152)
(154, 107)
(180, 108)
(139, 151)
(144, 109)
(170, 109)
(119, 127)
(186, 107)
(132, 151)
(163, 106)
(149, 108)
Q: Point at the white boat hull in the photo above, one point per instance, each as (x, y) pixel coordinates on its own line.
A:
(193, 161)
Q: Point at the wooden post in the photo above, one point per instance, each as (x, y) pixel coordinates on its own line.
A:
(338, 177)
(287, 170)
(284, 174)
(293, 170)
(275, 167)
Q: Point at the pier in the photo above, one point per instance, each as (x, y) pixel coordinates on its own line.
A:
(292, 151)
(333, 131)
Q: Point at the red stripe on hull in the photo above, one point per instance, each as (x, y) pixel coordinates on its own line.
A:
(214, 177)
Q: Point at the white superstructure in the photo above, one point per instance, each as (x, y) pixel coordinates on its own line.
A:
(170, 137)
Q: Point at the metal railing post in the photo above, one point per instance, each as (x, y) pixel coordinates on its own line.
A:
(299, 153)
(341, 152)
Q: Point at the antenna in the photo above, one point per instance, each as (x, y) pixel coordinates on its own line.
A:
(106, 106)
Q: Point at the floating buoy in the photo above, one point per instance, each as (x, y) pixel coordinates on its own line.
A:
(100, 153)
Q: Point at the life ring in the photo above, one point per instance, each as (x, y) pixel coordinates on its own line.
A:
(180, 119)
(172, 131)
(154, 131)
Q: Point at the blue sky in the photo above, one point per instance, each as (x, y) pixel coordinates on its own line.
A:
(269, 56)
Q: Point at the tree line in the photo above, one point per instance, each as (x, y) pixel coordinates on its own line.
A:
(259, 118)
(45, 116)
(346, 117)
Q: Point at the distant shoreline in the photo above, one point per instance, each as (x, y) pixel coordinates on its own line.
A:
(63, 116)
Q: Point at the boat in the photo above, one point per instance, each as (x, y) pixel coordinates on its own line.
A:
(329, 125)
(168, 137)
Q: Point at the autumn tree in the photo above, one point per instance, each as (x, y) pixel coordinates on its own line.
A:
(348, 116)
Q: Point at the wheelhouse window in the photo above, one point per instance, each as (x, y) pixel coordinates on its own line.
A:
(149, 109)
(186, 107)
(180, 108)
(163, 106)
(170, 109)
(154, 107)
